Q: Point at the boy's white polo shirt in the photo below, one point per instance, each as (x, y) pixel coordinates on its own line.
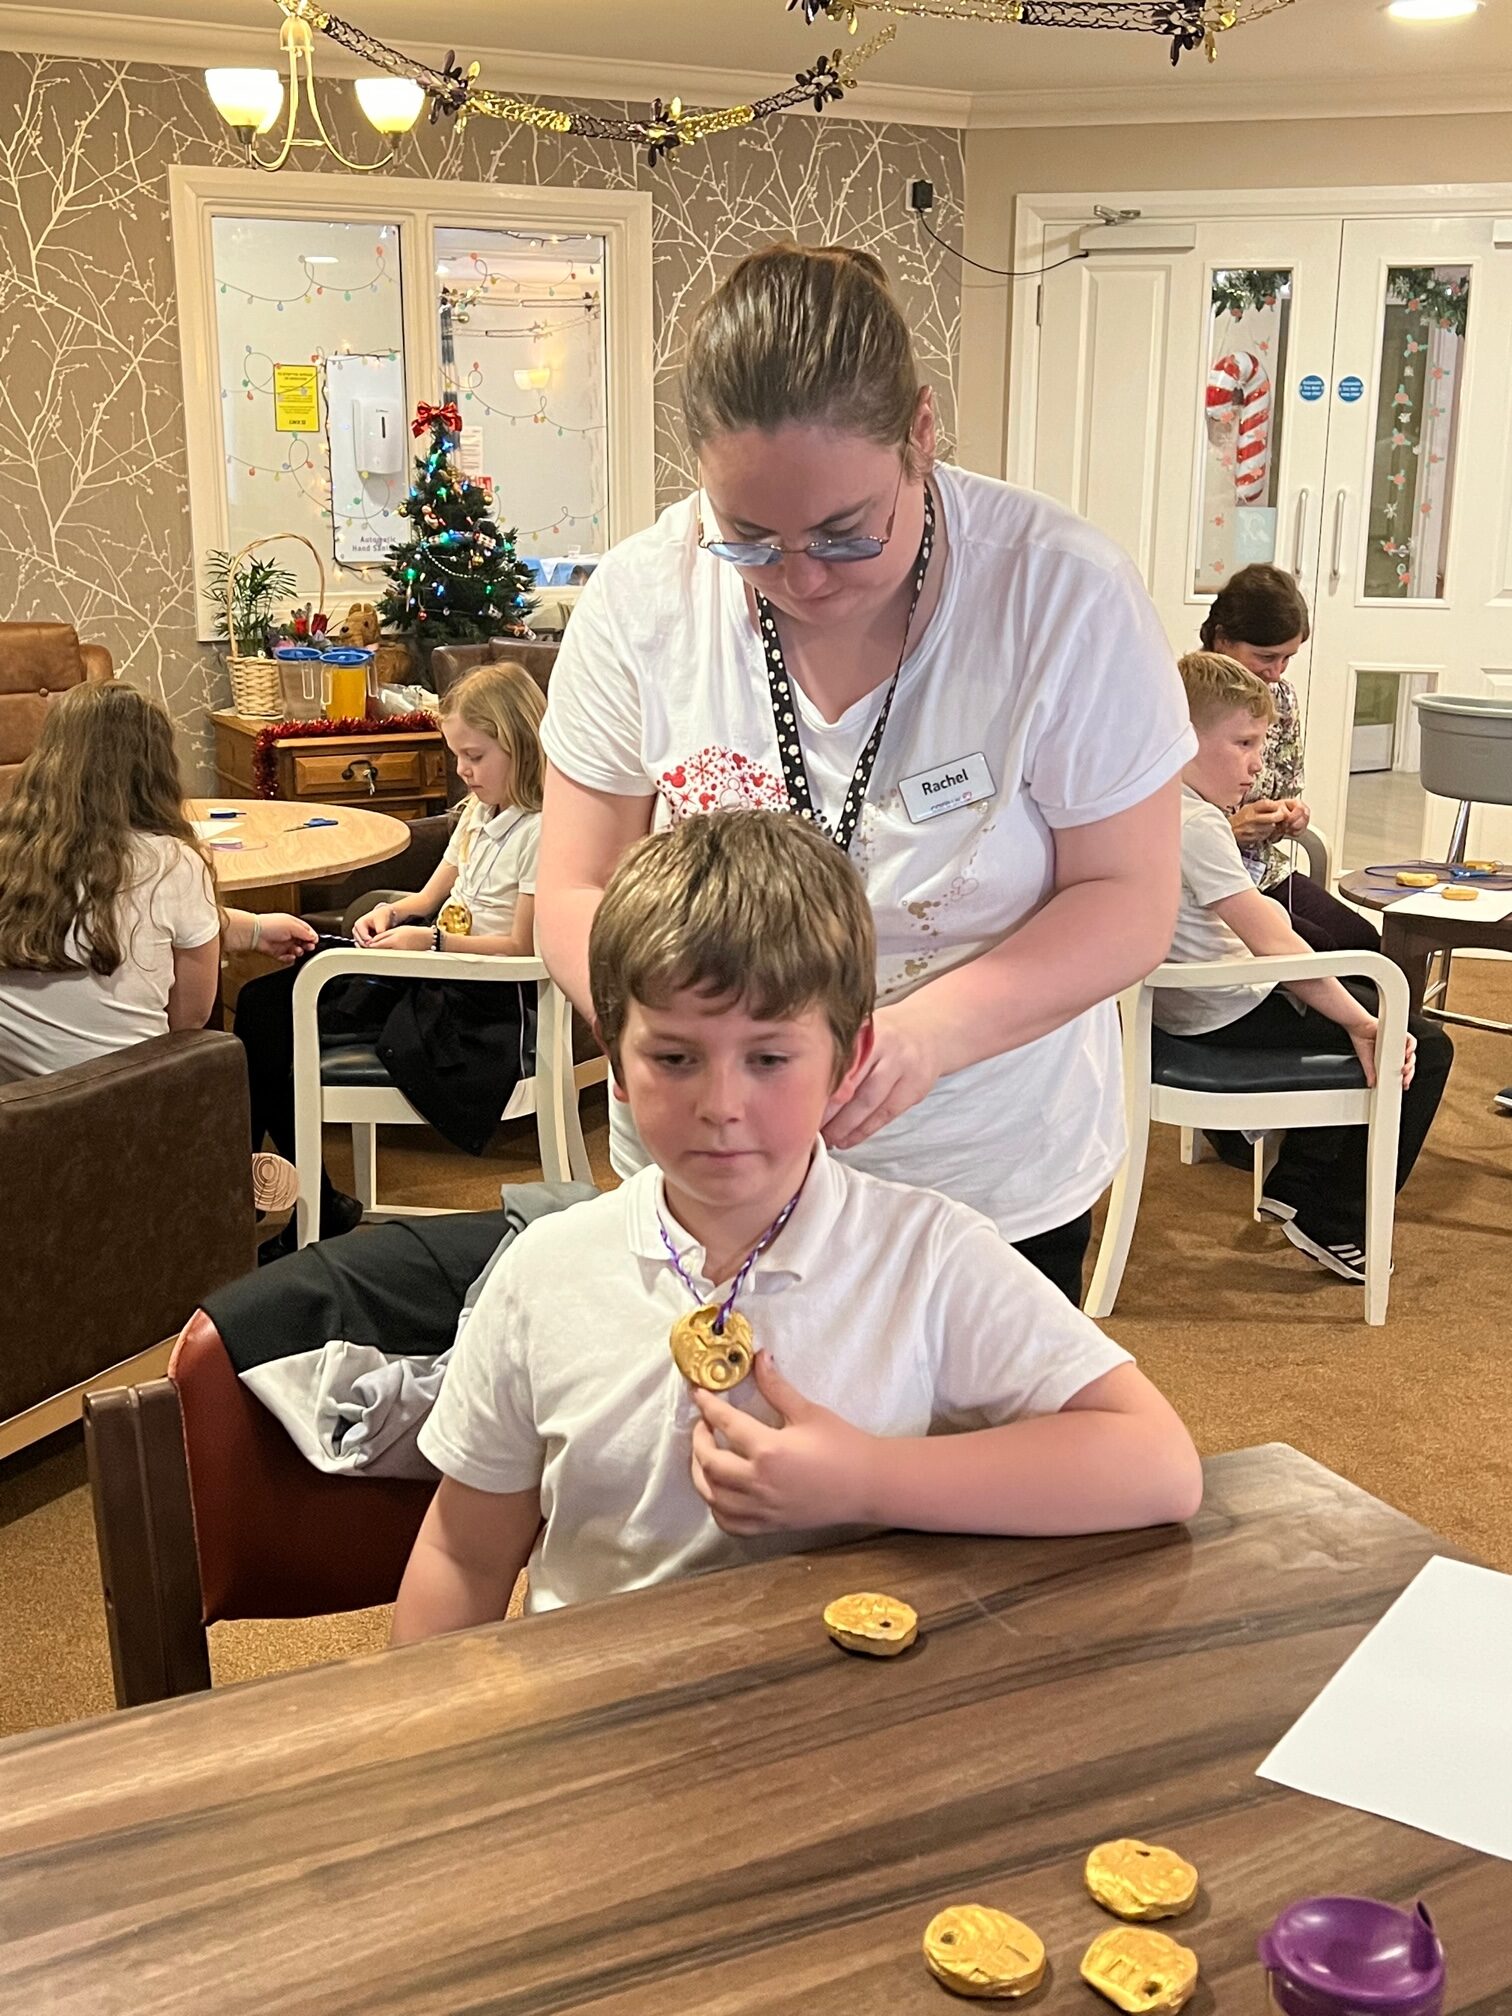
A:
(899, 1309)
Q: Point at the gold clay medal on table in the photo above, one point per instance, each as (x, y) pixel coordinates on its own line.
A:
(974, 1950)
(867, 1622)
(1132, 1879)
(1143, 1972)
(704, 1356)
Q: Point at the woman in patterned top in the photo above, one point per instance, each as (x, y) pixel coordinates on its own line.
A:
(1260, 619)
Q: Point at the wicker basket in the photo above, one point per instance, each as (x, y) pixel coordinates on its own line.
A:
(256, 683)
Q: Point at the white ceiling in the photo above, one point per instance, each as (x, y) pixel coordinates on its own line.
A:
(1315, 57)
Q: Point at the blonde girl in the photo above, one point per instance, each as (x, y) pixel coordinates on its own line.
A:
(455, 1049)
(484, 889)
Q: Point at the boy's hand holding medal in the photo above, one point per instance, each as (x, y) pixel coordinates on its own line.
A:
(812, 1470)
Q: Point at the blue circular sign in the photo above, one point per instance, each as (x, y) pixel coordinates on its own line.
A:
(1351, 389)
(1312, 386)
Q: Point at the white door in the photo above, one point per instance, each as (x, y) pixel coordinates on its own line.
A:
(1182, 400)
(1417, 536)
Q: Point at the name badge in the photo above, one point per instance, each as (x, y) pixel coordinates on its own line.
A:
(947, 787)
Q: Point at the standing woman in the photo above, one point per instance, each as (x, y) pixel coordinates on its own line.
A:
(1260, 619)
(963, 684)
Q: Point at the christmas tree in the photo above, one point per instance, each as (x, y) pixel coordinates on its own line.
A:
(456, 578)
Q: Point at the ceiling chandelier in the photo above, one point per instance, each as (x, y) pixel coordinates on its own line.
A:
(391, 99)
(1185, 24)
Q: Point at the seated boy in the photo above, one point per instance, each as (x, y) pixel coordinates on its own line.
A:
(912, 1369)
(1316, 1191)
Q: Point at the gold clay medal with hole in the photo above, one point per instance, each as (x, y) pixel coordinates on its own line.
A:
(1145, 1973)
(975, 1950)
(876, 1625)
(1132, 1879)
(707, 1359)
(713, 1346)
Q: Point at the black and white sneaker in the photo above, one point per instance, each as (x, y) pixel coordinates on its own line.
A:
(1503, 1100)
(1277, 1210)
(1346, 1259)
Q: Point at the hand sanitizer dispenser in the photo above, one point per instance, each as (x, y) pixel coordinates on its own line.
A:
(377, 436)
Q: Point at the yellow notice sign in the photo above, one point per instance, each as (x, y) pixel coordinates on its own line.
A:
(296, 398)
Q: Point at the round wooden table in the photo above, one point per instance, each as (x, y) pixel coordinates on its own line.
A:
(1410, 942)
(280, 848)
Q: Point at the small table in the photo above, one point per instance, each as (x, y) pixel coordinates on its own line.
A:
(1410, 942)
(689, 1800)
(403, 772)
(281, 851)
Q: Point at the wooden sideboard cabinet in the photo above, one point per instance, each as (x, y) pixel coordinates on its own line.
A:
(402, 774)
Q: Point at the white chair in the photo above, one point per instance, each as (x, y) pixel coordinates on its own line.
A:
(1194, 1085)
(551, 1095)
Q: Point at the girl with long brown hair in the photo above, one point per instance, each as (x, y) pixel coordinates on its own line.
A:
(109, 927)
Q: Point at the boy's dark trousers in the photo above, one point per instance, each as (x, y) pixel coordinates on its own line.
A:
(1321, 1170)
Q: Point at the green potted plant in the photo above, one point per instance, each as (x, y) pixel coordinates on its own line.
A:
(257, 587)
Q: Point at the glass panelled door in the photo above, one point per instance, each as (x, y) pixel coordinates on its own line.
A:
(1416, 586)
(1250, 394)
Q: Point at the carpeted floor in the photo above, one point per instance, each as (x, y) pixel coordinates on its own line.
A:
(1249, 1341)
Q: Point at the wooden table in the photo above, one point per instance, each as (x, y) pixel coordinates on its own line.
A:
(688, 1800)
(1410, 942)
(281, 851)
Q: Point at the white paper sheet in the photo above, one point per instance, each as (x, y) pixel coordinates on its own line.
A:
(1416, 1725)
(1490, 905)
(208, 829)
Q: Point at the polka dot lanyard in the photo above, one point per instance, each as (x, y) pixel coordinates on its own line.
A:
(785, 711)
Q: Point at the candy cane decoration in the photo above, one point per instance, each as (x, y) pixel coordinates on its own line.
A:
(1241, 380)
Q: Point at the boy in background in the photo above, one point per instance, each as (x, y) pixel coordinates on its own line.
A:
(1316, 1191)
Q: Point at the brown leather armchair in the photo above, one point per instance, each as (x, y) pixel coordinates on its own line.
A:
(38, 660)
(128, 1193)
(450, 661)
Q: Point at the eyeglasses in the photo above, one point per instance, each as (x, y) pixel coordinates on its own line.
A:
(833, 552)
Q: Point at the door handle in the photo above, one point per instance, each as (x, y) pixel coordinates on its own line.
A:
(1299, 541)
(1336, 566)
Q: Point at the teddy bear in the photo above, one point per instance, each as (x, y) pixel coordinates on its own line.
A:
(359, 626)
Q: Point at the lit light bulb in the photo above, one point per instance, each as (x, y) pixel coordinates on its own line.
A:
(391, 105)
(249, 100)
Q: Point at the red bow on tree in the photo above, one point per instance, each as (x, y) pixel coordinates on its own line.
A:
(448, 415)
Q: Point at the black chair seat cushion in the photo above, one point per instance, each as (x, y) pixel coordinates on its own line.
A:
(348, 1064)
(1206, 1067)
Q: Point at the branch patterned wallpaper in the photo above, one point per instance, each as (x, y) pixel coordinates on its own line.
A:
(94, 521)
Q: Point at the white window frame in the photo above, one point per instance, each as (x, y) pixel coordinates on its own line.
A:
(622, 218)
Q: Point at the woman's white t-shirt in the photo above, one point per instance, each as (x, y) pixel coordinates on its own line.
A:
(1044, 674)
(494, 854)
(49, 1021)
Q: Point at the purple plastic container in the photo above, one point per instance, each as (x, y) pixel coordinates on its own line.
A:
(1353, 1956)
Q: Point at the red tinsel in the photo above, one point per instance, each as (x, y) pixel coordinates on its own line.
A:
(265, 764)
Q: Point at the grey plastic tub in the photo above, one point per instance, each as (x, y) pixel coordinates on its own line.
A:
(1467, 747)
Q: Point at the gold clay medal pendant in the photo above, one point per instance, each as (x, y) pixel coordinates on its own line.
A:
(1134, 1880)
(705, 1357)
(455, 918)
(713, 1346)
